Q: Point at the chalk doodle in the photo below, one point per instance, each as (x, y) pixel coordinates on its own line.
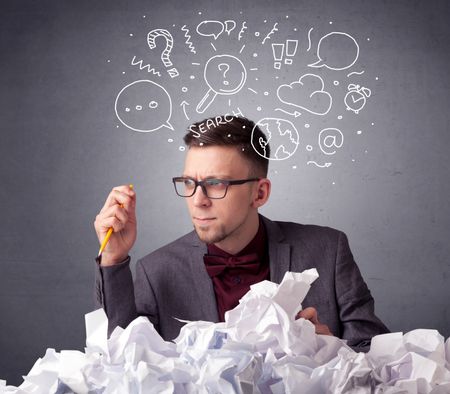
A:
(278, 50)
(183, 104)
(327, 46)
(219, 83)
(274, 29)
(295, 113)
(188, 39)
(325, 165)
(282, 136)
(356, 98)
(241, 32)
(141, 65)
(307, 93)
(225, 54)
(355, 73)
(165, 55)
(144, 106)
(309, 39)
(330, 139)
(215, 28)
(230, 25)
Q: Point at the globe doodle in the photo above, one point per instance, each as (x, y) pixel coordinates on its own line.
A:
(282, 136)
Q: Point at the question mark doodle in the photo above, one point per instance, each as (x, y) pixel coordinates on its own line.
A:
(226, 67)
(165, 55)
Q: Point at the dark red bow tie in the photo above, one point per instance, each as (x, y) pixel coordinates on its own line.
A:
(215, 265)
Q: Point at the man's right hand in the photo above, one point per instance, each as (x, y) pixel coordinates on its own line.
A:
(119, 212)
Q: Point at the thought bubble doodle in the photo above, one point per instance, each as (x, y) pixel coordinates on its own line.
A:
(210, 28)
(144, 106)
(328, 48)
(282, 136)
(329, 140)
(307, 93)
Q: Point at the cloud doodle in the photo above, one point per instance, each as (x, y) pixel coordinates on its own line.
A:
(307, 94)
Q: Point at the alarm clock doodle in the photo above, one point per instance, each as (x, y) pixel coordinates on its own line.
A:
(356, 97)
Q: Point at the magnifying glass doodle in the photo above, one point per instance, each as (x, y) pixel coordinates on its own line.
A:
(224, 74)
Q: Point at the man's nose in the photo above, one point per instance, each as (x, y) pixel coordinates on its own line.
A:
(200, 197)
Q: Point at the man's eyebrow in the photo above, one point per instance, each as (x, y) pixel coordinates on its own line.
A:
(223, 176)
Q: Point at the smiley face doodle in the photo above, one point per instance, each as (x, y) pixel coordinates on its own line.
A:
(144, 106)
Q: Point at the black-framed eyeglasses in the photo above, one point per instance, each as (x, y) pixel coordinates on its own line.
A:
(212, 188)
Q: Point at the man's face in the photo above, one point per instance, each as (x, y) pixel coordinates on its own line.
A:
(216, 220)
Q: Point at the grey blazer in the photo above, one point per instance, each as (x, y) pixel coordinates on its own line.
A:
(172, 282)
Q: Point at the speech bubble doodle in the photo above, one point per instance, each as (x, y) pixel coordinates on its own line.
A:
(282, 136)
(144, 106)
(210, 28)
(330, 139)
(307, 93)
(230, 25)
(328, 47)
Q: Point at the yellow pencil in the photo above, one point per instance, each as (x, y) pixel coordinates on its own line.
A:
(108, 235)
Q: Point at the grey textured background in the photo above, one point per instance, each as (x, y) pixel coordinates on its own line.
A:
(62, 149)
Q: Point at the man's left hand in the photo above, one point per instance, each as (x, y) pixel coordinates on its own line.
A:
(310, 314)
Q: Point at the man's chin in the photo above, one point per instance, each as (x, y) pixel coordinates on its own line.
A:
(207, 235)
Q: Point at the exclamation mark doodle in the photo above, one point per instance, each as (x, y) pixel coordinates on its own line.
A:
(291, 50)
(277, 50)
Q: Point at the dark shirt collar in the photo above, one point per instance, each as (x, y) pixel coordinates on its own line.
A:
(257, 245)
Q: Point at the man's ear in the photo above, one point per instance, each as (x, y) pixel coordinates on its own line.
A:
(263, 193)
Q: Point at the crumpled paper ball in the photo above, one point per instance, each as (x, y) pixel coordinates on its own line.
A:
(259, 349)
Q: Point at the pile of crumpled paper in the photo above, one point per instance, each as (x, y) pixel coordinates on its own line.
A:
(260, 348)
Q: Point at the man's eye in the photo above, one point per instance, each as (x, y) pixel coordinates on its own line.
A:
(215, 182)
(189, 183)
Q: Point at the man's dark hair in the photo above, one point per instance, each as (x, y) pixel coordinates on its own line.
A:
(234, 131)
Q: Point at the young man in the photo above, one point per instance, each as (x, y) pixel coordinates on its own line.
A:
(204, 273)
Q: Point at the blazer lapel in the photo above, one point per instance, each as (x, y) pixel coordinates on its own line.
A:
(279, 253)
(203, 288)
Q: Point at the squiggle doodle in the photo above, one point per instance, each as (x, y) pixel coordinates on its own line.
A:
(354, 72)
(244, 27)
(274, 29)
(141, 65)
(188, 39)
(309, 39)
(326, 165)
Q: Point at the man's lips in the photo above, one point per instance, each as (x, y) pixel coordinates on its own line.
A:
(203, 220)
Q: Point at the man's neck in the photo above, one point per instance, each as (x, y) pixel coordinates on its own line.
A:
(237, 241)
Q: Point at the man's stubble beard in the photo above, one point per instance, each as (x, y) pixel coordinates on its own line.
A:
(215, 237)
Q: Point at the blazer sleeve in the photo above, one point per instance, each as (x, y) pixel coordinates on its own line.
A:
(356, 305)
(122, 300)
